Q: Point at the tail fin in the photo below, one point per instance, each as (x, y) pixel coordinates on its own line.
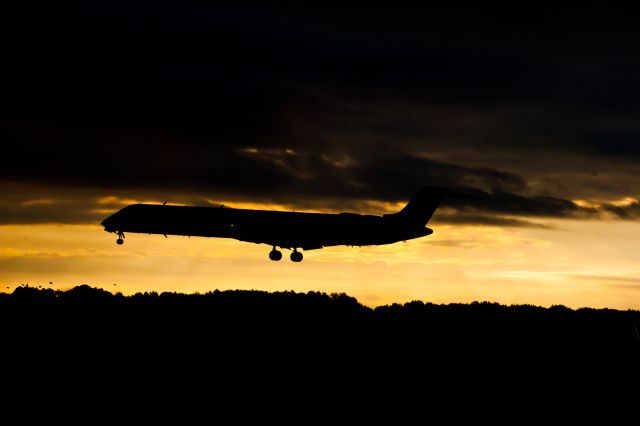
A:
(421, 207)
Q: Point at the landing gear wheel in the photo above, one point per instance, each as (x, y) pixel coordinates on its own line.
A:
(275, 255)
(296, 256)
(120, 241)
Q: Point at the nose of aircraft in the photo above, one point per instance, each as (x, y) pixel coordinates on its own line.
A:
(108, 224)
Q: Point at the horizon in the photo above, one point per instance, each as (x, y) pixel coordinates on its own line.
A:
(286, 292)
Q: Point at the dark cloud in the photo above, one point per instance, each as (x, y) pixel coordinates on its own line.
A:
(50, 211)
(504, 202)
(315, 183)
(330, 108)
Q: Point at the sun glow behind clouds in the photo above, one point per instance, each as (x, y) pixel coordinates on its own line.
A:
(622, 202)
(455, 264)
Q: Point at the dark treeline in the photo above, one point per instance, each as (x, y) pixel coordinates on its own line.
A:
(312, 317)
(247, 344)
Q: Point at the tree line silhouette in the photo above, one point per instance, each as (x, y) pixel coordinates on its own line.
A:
(246, 344)
(312, 316)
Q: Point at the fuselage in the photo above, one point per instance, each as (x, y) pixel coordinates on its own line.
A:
(277, 228)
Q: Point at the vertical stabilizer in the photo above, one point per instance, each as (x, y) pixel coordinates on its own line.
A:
(421, 207)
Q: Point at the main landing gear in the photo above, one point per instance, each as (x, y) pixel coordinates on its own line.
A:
(120, 239)
(276, 255)
(296, 256)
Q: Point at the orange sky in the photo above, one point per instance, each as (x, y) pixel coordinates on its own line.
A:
(574, 263)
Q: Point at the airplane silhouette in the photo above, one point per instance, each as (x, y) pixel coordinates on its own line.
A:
(288, 230)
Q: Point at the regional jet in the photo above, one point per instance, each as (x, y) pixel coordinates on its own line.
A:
(281, 229)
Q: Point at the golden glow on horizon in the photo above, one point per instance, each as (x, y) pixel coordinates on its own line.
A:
(578, 263)
(113, 200)
(622, 202)
(586, 204)
(249, 205)
(369, 207)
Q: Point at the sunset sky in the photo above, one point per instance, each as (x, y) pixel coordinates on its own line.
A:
(331, 110)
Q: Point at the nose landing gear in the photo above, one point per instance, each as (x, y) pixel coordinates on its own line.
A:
(120, 239)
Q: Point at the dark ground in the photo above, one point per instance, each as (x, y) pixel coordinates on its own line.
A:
(309, 348)
(269, 322)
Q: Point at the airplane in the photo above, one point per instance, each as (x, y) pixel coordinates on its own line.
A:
(281, 229)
